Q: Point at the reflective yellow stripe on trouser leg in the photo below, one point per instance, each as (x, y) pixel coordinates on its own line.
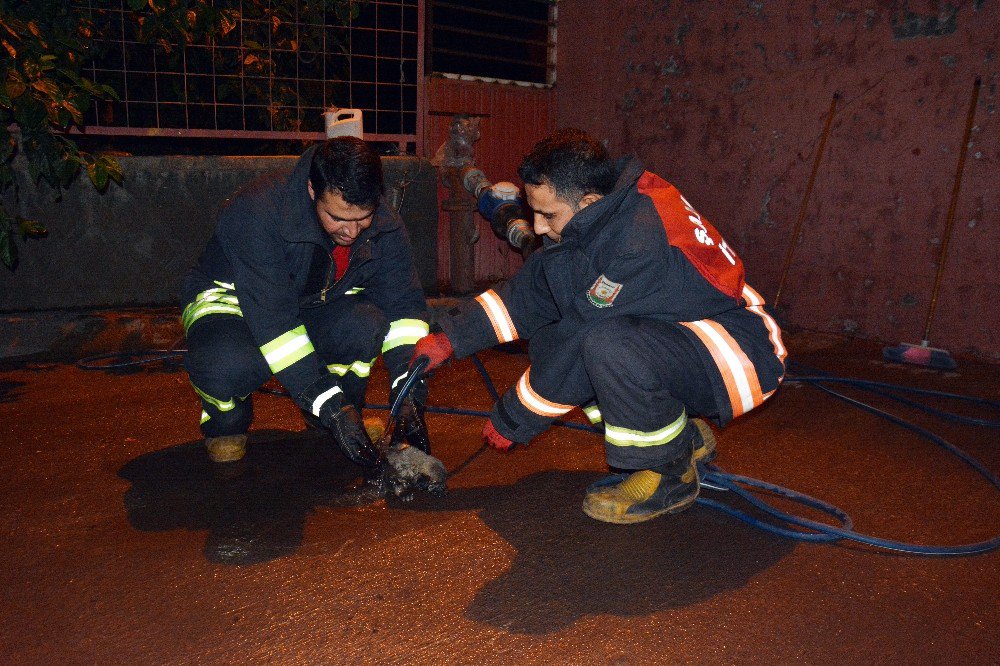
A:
(628, 437)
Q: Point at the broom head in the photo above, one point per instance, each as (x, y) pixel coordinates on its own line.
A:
(930, 357)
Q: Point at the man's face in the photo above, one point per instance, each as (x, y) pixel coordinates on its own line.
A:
(342, 221)
(553, 213)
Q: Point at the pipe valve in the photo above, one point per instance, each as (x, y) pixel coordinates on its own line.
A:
(502, 205)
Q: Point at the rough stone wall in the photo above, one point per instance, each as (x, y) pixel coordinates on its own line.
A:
(728, 101)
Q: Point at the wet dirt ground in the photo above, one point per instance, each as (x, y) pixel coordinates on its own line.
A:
(124, 544)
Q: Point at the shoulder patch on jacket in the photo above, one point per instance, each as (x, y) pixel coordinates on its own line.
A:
(603, 292)
(695, 236)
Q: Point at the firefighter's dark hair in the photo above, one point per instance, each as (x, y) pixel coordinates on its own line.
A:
(350, 166)
(572, 162)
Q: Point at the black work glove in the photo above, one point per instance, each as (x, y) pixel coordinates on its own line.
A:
(410, 423)
(324, 399)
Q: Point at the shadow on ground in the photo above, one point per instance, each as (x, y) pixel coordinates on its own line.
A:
(569, 566)
(253, 510)
(9, 391)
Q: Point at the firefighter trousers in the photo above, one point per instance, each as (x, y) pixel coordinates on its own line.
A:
(642, 377)
(226, 365)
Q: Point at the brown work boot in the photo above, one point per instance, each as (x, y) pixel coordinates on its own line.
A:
(374, 427)
(227, 448)
(704, 450)
(648, 493)
(643, 494)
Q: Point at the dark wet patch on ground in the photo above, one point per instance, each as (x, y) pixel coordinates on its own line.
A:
(631, 570)
(9, 391)
(254, 510)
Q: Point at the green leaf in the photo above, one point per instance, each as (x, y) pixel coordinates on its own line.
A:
(8, 145)
(114, 169)
(46, 87)
(74, 112)
(8, 249)
(73, 76)
(98, 175)
(30, 114)
(31, 228)
(66, 168)
(136, 5)
(15, 87)
(103, 170)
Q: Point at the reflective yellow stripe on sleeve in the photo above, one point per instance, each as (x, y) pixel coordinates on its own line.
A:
(593, 413)
(360, 368)
(218, 300)
(287, 348)
(533, 401)
(404, 332)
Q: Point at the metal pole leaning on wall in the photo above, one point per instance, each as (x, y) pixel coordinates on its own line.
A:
(797, 231)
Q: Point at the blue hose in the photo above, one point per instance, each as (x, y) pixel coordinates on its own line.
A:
(781, 523)
(822, 532)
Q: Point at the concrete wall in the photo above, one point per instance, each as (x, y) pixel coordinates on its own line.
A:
(132, 245)
(728, 102)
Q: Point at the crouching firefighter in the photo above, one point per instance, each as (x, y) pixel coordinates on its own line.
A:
(308, 277)
(635, 310)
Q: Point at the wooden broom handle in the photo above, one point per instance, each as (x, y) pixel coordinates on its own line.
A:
(949, 223)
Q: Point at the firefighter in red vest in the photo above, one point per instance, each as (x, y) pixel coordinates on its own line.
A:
(637, 311)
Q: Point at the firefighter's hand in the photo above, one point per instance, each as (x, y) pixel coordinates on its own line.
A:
(436, 347)
(411, 425)
(495, 439)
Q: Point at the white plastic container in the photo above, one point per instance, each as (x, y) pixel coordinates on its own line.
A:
(343, 122)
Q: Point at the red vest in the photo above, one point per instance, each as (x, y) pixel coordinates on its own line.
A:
(695, 236)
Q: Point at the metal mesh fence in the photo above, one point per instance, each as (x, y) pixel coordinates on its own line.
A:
(264, 78)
